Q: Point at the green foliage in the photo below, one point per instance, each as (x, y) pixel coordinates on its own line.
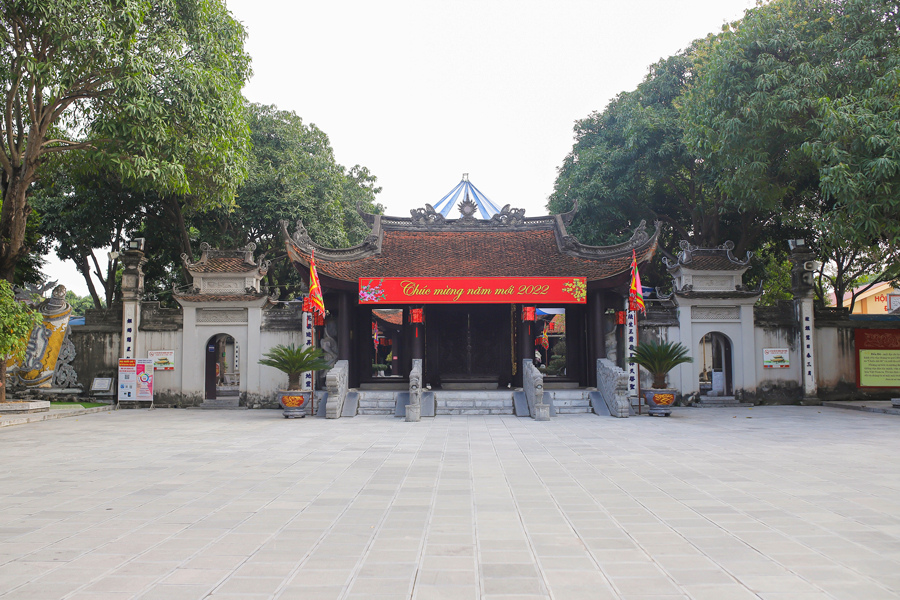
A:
(796, 108)
(773, 268)
(785, 125)
(294, 361)
(16, 323)
(557, 362)
(659, 358)
(151, 90)
(79, 304)
(292, 175)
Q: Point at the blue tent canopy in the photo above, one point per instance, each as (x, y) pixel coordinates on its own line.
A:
(464, 189)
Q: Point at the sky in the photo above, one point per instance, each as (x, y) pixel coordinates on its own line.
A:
(421, 91)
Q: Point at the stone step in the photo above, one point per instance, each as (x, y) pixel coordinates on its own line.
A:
(721, 402)
(222, 403)
(473, 411)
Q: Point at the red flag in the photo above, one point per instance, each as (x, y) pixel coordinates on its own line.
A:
(635, 293)
(545, 339)
(315, 290)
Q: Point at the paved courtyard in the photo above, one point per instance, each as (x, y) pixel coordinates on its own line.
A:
(718, 504)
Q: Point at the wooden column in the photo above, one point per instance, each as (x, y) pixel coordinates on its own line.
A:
(525, 344)
(417, 349)
(596, 333)
(344, 316)
(395, 352)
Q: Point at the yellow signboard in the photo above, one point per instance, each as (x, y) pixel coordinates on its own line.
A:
(879, 368)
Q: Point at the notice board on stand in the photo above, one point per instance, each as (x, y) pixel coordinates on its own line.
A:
(135, 380)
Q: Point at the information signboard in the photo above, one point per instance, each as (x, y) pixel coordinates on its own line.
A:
(163, 360)
(877, 358)
(776, 358)
(135, 379)
(473, 290)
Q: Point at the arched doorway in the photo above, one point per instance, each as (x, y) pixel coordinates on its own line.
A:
(222, 373)
(715, 365)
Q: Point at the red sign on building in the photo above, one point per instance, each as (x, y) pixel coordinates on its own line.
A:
(473, 290)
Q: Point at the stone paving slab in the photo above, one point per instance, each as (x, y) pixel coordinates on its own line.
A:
(764, 503)
(876, 406)
(54, 413)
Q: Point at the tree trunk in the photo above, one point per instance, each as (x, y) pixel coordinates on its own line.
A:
(85, 270)
(13, 218)
(293, 381)
(184, 239)
(3, 380)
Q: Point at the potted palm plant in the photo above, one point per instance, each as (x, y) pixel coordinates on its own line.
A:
(660, 358)
(294, 361)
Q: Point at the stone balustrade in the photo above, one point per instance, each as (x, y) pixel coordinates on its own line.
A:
(414, 408)
(612, 383)
(336, 382)
(533, 384)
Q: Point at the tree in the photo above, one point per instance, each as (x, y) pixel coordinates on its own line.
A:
(292, 174)
(151, 90)
(79, 305)
(16, 323)
(630, 162)
(796, 108)
(82, 213)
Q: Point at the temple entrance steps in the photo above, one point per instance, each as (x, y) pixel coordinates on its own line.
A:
(472, 402)
(377, 402)
(720, 402)
(568, 402)
(460, 402)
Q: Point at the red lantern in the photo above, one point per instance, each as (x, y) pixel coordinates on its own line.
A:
(527, 313)
(319, 319)
(552, 326)
(417, 315)
(620, 317)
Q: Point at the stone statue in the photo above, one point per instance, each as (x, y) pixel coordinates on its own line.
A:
(45, 343)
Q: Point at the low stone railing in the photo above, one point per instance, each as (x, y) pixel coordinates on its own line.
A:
(414, 408)
(533, 384)
(336, 382)
(612, 383)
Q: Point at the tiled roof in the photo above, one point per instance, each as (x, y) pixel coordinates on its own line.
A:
(392, 316)
(529, 253)
(712, 262)
(223, 265)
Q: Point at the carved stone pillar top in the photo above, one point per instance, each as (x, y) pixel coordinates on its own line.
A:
(133, 275)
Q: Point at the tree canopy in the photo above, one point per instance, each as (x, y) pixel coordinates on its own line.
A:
(784, 125)
(150, 89)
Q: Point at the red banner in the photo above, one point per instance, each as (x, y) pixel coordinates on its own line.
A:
(473, 290)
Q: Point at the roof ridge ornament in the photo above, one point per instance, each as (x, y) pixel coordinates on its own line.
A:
(427, 217)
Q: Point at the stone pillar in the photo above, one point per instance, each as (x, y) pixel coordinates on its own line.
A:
(132, 292)
(803, 290)
(343, 340)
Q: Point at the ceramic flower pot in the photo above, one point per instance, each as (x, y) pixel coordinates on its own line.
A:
(294, 403)
(659, 402)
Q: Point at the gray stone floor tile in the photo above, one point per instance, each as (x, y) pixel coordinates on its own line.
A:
(468, 507)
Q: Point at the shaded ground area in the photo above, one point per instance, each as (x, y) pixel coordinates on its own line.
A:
(771, 502)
